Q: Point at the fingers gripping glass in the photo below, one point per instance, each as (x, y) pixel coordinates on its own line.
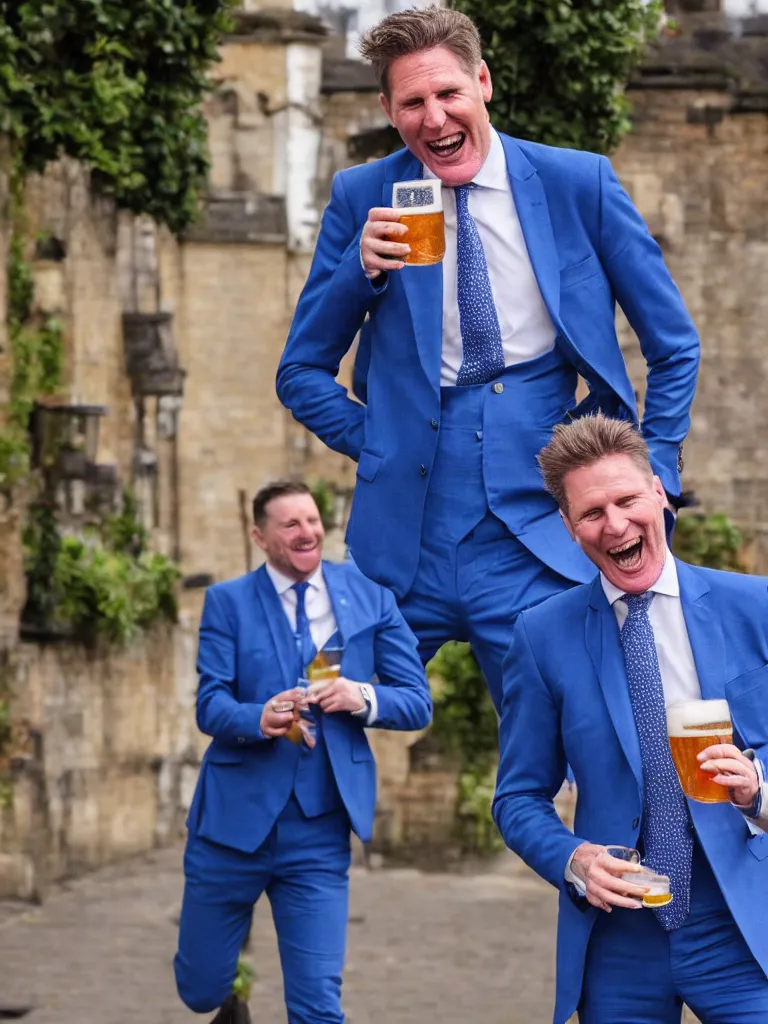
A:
(692, 726)
(658, 894)
(421, 210)
(325, 666)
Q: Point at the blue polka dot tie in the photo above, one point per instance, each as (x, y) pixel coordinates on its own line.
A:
(303, 634)
(665, 832)
(483, 357)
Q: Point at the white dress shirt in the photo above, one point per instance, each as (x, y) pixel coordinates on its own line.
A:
(526, 328)
(679, 678)
(317, 603)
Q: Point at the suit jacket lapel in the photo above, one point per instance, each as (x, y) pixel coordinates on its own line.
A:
(602, 637)
(423, 286)
(705, 630)
(533, 213)
(282, 638)
(341, 601)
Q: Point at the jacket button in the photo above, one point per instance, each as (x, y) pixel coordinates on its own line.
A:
(423, 470)
(433, 423)
(635, 823)
(241, 739)
(497, 388)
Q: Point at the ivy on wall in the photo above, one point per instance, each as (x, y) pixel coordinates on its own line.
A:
(559, 67)
(118, 87)
(710, 540)
(464, 723)
(36, 345)
(104, 585)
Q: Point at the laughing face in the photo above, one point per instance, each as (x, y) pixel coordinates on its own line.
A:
(438, 107)
(616, 516)
(292, 535)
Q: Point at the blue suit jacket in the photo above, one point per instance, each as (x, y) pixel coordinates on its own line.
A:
(247, 654)
(566, 698)
(589, 248)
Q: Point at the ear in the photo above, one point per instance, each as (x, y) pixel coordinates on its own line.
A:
(661, 494)
(258, 538)
(486, 85)
(386, 107)
(567, 525)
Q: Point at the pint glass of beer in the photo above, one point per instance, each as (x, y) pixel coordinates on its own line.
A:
(325, 665)
(693, 725)
(421, 210)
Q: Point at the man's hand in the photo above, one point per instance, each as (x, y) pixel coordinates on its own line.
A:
(337, 695)
(601, 873)
(729, 767)
(280, 712)
(377, 252)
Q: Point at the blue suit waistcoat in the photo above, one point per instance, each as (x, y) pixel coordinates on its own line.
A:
(589, 249)
(566, 699)
(246, 655)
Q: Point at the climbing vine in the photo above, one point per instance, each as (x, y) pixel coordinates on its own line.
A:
(117, 86)
(464, 724)
(36, 345)
(104, 585)
(560, 67)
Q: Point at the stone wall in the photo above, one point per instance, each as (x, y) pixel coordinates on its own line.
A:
(698, 170)
(106, 757)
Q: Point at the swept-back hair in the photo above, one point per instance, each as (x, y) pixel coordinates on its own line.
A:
(585, 441)
(418, 29)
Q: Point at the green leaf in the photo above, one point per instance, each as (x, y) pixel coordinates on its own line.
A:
(559, 66)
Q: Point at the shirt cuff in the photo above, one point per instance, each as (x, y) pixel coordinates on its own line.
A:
(757, 814)
(372, 714)
(573, 879)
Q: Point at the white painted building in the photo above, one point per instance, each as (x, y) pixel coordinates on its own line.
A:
(355, 16)
(744, 8)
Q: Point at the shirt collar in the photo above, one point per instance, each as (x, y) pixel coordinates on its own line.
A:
(493, 172)
(283, 583)
(667, 583)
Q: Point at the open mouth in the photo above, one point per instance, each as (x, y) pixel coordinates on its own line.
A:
(448, 146)
(628, 556)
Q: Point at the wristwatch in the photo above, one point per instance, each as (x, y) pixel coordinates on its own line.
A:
(367, 695)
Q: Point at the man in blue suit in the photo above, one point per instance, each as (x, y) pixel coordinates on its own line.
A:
(587, 680)
(467, 365)
(269, 815)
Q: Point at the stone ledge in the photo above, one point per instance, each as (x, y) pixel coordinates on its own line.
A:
(276, 25)
(343, 74)
(241, 219)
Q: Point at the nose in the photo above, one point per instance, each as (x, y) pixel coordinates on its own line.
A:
(434, 115)
(615, 520)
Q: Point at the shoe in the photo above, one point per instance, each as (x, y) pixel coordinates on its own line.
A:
(232, 1011)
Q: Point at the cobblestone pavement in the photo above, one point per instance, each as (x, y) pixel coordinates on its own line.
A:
(447, 948)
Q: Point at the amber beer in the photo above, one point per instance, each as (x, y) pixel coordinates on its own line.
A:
(325, 665)
(693, 725)
(421, 203)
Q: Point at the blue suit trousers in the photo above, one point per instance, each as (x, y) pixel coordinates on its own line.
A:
(303, 868)
(636, 973)
(474, 575)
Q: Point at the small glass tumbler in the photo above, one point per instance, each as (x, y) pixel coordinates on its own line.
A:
(658, 894)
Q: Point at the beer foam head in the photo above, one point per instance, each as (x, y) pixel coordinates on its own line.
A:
(698, 718)
(421, 196)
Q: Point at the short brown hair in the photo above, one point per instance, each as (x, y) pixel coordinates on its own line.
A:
(418, 29)
(272, 492)
(585, 441)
